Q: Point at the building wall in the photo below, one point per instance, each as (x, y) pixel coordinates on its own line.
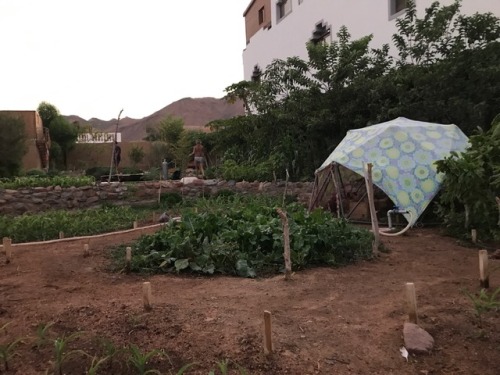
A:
(88, 155)
(31, 160)
(33, 128)
(252, 21)
(288, 37)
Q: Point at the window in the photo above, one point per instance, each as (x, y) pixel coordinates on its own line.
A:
(321, 33)
(396, 7)
(283, 7)
(261, 16)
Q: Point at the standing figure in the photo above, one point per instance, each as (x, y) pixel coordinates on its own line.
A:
(199, 158)
(117, 156)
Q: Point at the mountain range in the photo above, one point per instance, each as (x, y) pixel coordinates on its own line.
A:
(196, 113)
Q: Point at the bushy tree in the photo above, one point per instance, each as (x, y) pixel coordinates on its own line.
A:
(168, 130)
(63, 134)
(12, 145)
(471, 184)
(136, 155)
(447, 72)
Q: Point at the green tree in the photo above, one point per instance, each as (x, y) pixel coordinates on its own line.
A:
(136, 155)
(12, 145)
(168, 130)
(63, 134)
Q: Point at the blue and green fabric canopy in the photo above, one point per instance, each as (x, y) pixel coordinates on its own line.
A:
(403, 153)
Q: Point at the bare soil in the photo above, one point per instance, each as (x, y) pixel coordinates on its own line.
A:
(325, 321)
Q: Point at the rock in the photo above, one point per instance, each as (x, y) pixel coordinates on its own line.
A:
(417, 340)
(164, 218)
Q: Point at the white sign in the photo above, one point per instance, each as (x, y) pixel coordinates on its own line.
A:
(99, 137)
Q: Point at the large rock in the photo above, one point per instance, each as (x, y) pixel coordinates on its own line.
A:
(417, 340)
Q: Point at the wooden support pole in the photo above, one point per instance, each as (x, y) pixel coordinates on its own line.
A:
(61, 235)
(484, 274)
(86, 251)
(154, 217)
(411, 302)
(146, 295)
(135, 224)
(128, 258)
(7, 242)
(473, 234)
(286, 240)
(373, 212)
(268, 339)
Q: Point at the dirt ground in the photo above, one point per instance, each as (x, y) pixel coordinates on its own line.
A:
(325, 321)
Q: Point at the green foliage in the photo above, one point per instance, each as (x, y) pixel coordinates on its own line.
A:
(8, 349)
(243, 236)
(12, 145)
(63, 134)
(170, 199)
(136, 155)
(168, 130)
(470, 186)
(35, 181)
(140, 360)
(62, 353)
(42, 331)
(484, 302)
(447, 72)
(96, 364)
(47, 225)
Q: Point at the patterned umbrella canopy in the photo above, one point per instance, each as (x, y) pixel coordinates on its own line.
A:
(403, 153)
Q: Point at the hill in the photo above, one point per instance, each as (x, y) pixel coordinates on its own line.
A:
(196, 113)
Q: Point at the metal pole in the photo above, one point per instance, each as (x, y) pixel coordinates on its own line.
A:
(113, 152)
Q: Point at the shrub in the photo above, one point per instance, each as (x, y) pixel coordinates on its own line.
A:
(243, 237)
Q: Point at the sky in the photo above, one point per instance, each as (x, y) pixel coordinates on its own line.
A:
(92, 58)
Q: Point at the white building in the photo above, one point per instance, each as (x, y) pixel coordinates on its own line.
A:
(277, 29)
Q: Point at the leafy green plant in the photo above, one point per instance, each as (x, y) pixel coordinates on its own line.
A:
(41, 181)
(42, 331)
(110, 350)
(96, 364)
(484, 302)
(184, 368)
(242, 236)
(140, 360)
(469, 189)
(62, 353)
(8, 350)
(47, 225)
(224, 368)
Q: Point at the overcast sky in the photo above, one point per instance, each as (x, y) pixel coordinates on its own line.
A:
(92, 58)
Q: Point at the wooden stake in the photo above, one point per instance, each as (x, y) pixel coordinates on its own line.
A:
(286, 240)
(268, 339)
(484, 274)
(86, 251)
(128, 258)
(146, 295)
(135, 224)
(7, 242)
(154, 217)
(371, 204)
(473, 233)
(411, 303)
(61, 235)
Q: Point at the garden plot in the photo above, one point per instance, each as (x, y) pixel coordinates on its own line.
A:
(324, 321)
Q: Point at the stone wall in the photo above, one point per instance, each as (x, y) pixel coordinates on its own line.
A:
(16, 202)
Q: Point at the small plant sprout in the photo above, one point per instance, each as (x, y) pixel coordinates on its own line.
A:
(484, 302)
(184, 368)
(95, 364)
(110, 350)
(41, 334)
(140, 360)
(61, 352)
(8, 350)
